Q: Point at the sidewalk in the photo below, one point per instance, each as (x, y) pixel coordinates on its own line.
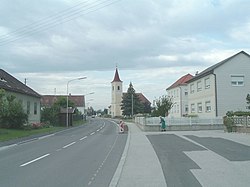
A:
(139, 165)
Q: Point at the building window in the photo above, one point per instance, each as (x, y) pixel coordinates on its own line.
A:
(208, 106)
(35, 108)
(177, 109)
(118, 87)
(199, 88)
(192, 88)
(186, 93)
(28, 107)
(192, 108)
(207, 83)
(199, 107)
(186, 108)
(177, 95)
(237, 80)
(113, 88)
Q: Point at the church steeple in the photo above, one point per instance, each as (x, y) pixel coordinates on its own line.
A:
(116, 77)
(116, 95)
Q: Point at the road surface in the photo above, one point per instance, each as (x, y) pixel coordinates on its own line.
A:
(83, 156)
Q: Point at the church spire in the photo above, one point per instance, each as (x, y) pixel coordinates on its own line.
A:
(116, 77)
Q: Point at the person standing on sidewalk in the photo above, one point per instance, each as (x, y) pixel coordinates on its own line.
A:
(163, 124)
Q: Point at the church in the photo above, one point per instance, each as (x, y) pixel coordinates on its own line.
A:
(117, 94)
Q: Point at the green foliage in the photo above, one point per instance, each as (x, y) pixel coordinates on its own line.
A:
(248, 101)
(50, 115)
(228, 122)
(131, 100)
(163, 105)
(237, 113)
(12, 114)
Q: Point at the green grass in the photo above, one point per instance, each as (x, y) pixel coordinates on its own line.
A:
(9, 134)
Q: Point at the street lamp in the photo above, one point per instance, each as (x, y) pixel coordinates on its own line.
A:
(84, 99)
(67, 117)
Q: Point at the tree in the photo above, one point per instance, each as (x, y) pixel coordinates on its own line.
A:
(12, 114)
(131, 103)
(51, 114)
(163, 105)
(248, 101)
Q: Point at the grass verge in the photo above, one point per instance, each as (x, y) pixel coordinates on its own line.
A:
(9, 134)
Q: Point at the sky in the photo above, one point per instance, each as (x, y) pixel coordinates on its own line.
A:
(152, 42)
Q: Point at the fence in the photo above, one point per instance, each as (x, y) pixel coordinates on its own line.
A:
(183, 123)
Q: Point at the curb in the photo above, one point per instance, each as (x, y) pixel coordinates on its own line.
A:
(115, 180)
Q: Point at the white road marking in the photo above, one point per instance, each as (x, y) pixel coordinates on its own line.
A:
(68, 145)
(92, 133)
(46, 136)
(83, 137)
(39, 158)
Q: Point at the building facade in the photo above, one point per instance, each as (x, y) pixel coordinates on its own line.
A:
(220, 88)
(178, 91)
(29, 99)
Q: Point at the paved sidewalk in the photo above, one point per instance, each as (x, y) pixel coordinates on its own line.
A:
(140, 166)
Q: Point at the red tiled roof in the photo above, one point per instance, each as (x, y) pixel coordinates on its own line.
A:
(142, 98)
(181, 81)
(49, 100)
(116, 77)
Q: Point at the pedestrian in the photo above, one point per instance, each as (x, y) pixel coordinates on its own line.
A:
(163, 124)
(121, 126)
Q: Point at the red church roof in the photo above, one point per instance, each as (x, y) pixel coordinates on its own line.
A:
(116, 77)
(181, 81)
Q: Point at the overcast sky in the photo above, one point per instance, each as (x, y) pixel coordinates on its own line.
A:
(153, 42)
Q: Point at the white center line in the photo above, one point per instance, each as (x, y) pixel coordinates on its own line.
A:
(68, 145)
(92, 133)
(83, 138)
(39, 158)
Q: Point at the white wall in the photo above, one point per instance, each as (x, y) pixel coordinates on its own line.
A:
(233, 98)
(24, 99)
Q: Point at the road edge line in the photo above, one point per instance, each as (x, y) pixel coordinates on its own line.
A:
(115, 180)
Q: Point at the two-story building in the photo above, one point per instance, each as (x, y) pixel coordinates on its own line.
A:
(220, 88)
(29, 98)
(178, 91)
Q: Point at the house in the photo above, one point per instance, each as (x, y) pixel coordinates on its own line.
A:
(29, 98)
(178, 91)
(220, 88)
(78, 100)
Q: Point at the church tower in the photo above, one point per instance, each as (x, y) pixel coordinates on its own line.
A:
(116, 99)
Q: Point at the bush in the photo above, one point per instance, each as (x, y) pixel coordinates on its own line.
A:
(228, 122)
(237, 113)
(12, 114)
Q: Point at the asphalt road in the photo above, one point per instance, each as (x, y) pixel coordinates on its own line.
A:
(203, 158)
(83, 156)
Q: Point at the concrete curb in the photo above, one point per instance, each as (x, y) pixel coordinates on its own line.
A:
(115, 180)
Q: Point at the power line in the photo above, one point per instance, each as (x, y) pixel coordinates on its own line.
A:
(54, 20)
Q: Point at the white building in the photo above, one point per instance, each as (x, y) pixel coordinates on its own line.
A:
(220, 88)
(179, 94)
(29, 99)
(116, 95)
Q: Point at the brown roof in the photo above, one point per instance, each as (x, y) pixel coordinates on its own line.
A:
(10, 83)
(116, 77)
(49, 100)
(181, 81)
(142, 98)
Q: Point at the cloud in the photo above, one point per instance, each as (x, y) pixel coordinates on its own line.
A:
(153, 42)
